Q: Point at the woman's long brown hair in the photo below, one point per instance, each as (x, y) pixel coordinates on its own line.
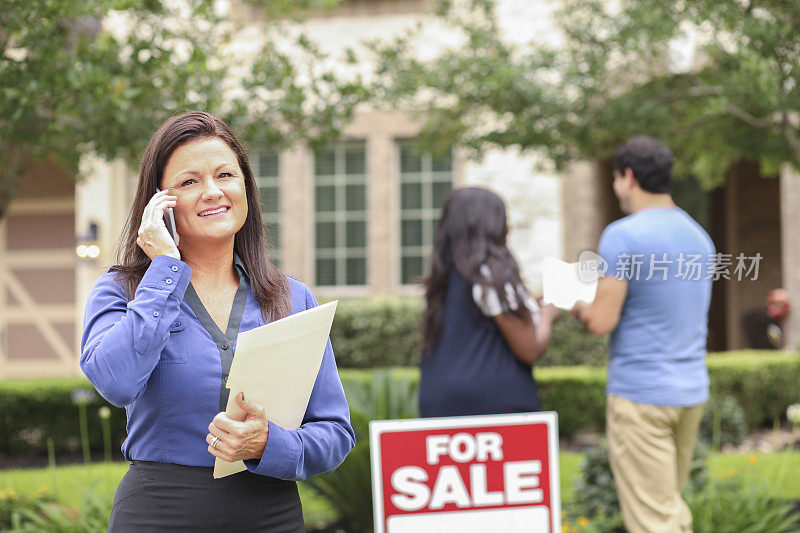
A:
(268, 285)
(471, 232)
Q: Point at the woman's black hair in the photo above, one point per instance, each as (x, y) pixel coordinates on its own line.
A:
(470, 233)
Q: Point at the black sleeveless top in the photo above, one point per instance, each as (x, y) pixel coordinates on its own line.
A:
(472, 370)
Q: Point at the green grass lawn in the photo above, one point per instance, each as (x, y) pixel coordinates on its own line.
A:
(69, 483)
(777, 471)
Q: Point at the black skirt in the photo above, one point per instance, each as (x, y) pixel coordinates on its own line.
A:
(170, 497)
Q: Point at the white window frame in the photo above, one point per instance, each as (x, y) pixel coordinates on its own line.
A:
(340, 216)
(428, 213)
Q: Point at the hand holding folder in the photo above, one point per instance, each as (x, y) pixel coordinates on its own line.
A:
(276, 366)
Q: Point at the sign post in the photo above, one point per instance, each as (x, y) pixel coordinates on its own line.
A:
(466, 474)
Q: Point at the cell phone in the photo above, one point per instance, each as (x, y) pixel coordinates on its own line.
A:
(169, 222)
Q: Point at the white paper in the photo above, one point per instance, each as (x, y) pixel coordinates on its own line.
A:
(276, 366)
(562, 286)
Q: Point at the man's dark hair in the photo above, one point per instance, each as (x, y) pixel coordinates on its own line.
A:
(649, 160)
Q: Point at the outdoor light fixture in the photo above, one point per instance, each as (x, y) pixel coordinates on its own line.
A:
(87, 247)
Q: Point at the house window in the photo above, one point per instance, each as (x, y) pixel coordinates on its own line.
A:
(340, 215)
(267, 177)
(425, 184)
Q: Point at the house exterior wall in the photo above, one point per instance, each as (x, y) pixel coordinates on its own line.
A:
(37, 276)
(43, 286)
(790, 250)
(753, 219)
(533, 198)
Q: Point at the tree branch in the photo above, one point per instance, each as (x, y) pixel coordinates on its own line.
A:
(750, 120)
(696, 92)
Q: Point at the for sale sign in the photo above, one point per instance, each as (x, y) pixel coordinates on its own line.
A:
(466, 474)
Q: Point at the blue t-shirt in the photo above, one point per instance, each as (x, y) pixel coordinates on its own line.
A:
(657, 351)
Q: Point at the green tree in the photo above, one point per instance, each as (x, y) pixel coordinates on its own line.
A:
(614, 75)
(98, 76)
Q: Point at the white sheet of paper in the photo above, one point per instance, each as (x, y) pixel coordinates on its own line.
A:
(561, 285)
(276, 366)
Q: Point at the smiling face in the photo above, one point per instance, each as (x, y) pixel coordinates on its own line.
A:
(209, 184)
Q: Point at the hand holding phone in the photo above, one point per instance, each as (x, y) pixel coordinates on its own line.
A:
(158, 233)
(169, 222)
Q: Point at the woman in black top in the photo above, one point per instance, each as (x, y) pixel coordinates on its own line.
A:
(482, 331)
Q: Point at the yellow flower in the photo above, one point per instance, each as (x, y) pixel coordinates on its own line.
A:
(582, 521)
(752, 459)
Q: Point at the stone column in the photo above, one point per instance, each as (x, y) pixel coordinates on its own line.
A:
(790, 248)
(383, 213)
(582, 207)
(297, 214)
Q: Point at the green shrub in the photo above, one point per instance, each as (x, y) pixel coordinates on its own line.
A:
(377, 332)
(734, 505)
(384, 331)
(47, 517)
(596, 493)
(764, 384)
(577, 394)
(388, 396)
(723, 422)
(12, 503)
(573, 345)
(41, 513)
(33, 411)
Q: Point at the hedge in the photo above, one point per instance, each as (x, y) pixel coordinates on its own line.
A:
(373, 332)
(33, 411)
(384, 331)
(576, 393)
(764, 383)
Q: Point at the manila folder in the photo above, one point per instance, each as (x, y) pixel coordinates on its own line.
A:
(276, 366)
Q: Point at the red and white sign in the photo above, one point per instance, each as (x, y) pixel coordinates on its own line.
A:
(466, 474)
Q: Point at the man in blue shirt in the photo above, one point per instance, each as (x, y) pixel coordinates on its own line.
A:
(653, 300)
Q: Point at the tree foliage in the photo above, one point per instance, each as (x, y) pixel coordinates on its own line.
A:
(99, 76)
(615, 74)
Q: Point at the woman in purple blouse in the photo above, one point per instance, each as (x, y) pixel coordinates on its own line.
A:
(159, 335)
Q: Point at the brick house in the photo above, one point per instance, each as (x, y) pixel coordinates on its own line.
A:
(356, 219)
